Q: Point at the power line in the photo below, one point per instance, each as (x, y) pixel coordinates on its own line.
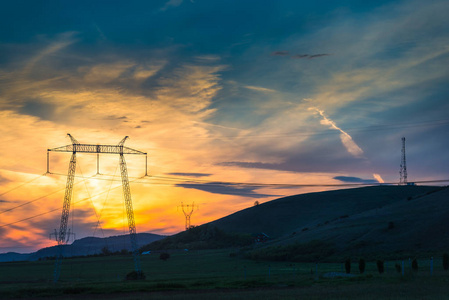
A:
(29, 202)
(53, 210)
(173, 180)
(320, 132)
(25, 183)
(34, 200)
(170, 181)
(194, 180)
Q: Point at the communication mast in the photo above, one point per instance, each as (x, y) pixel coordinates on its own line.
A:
(62, 235)
(403, 169)
(188, 211)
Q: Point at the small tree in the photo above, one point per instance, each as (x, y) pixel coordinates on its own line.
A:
(390, 225)
(348, 266)
(135, 275)
(164, 256)
(362, 265)
(105, 251)
(380, 266)
(445, 261)
(415, 264)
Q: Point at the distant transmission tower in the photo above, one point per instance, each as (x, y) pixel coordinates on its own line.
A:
(188, 211)
(403, 170)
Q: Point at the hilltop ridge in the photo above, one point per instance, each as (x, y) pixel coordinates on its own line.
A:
(367, 220)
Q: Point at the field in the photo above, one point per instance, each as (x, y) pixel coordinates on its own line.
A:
(219, 274)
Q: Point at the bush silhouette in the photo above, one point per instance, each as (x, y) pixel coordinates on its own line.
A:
(445, 261)
(105, 251)
(164, 256)
(135, 275)
(390, 225)
(380, 266)
(415, 264)
(348, 266)
(362, 265)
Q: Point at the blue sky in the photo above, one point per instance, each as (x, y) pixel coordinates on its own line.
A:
(285, 92)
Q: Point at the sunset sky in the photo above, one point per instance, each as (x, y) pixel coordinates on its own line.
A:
(269, 92)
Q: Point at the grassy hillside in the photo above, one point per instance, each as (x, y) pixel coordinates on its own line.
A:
(364, 221)
(292, 214)
(416, 224)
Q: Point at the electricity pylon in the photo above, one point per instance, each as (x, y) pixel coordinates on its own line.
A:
(188, 211)
(403, 169)
(75, 147)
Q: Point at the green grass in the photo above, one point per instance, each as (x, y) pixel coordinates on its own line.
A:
(204, 273)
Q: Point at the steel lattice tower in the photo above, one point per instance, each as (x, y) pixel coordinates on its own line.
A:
(403, 169)
(90, 148)
(188, 211)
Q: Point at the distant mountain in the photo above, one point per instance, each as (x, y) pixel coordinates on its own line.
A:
(85, 246)
(13, 256)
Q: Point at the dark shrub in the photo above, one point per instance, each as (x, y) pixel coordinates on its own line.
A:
(135, 275)
(362, 265)
(415, 264)
(390, 225)
(164, 256)
(380, 266)
(398, 267)
(348, 266)
(445, 261)
(105, 251)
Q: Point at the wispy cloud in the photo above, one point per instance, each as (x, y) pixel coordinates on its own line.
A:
(171, 3)
(225, 189)
(62, 41)
(309, 56)
(189, 174)
(378, 178)
(259, 89)
(318, 55)
(354, 179)
(300, 56)
(280, 53)
(345, 138)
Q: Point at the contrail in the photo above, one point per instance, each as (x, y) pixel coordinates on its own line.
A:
(378, 178)
(345, 138)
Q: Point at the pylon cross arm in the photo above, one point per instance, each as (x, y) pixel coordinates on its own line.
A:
(90, 148)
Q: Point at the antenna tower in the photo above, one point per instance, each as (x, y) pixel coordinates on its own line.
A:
(188, 211)
(403, 169)
(62, 235)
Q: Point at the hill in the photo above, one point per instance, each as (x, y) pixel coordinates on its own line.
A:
(360, 221)
(291, 214)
